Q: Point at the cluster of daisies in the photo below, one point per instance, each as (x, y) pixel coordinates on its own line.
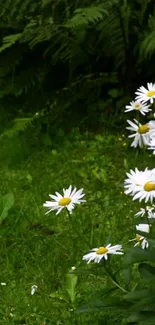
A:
(141, 184)
(67, 201)
(142, 134)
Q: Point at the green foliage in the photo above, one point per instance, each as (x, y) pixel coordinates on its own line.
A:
(6, 203)
(71, 285)
(147, 48)
(41, 249)
(85, 16)
(19, 125)
(8, 41)
(76, 63)
(14, 12)
(48, 48)
(114, 33)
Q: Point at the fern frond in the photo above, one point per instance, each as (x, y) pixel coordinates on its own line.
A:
(86, 16)
(147, 45)
(8, 41)
(26, 79)
(38, 31)
(19, 125)
(44, 3)
(16, 10)
(114, 30)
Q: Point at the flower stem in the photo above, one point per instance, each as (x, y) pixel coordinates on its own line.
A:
(76, 231)
(114, 281)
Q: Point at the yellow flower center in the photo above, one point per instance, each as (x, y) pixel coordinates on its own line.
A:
(139, 238)
(64, 201)
(143, 129)
(102, 250)
(137, 106)
(149, 186)
(151, 93)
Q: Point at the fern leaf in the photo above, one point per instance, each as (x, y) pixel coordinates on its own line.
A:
(8, 41)
(19, 125)
(45, 3)
(85, 16)
(114, 34)
(147, 46)
(16, 10)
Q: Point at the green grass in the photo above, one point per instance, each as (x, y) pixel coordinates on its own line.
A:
(41, 249)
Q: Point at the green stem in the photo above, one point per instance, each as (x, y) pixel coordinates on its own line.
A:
(76, 231)
(114, 281)
(27, 218)
(67, 9)
(137, 115)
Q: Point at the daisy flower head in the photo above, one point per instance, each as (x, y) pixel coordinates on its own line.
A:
(140, 241)
(143, 227)
(149, 211)
(141, 213)
(146, 94)
(67, 200)
(134, 180)
(138, 106)
(33, 289)
(141, 133)
(141, 184)
(97, 254)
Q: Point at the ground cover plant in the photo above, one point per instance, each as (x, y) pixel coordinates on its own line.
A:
(77, 162)
(39, 249)
(137, 300)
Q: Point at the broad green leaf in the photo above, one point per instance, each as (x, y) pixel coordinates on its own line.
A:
(126, 164)
(142, 318)
(71, 285)
(147, 271)
(135, 295)
(114, 304)
(136, 255)
(6, 203)
(29, 178)
(59, 296)
(127, 275)
(142, 300)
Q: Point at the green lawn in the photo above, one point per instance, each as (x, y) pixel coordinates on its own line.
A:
(39, 249)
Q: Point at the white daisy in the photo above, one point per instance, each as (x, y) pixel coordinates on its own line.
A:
(140, 213)
(137, 106)
(102, 252)
(134, 180)
(141, 184)
(149, 211)
(141, 241)
(67, 200)
(146, 94)
(142, 133)
(143, 227)
(33, 289)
